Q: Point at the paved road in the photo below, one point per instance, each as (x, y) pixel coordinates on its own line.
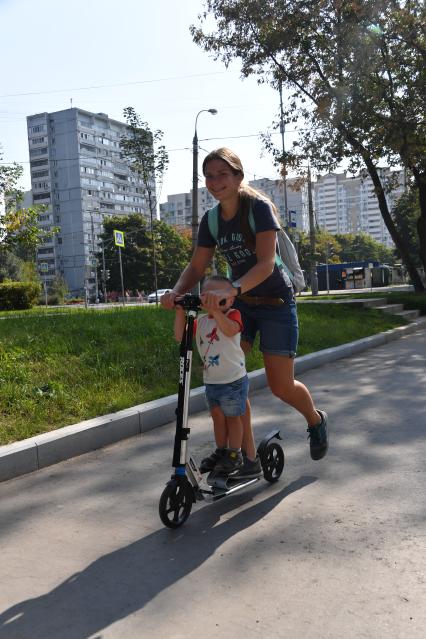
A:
(335, 549)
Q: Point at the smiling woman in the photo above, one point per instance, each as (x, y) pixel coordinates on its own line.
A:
(262, 293)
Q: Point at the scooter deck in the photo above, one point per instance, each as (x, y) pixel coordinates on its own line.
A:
(222, 486)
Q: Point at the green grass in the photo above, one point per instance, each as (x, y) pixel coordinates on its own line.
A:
(60, 368)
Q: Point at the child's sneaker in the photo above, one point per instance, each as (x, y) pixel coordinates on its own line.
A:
(250, 469)
(230, 462)
(208, 463)
(318, 443)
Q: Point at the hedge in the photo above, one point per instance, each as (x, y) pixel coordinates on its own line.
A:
(18, 295)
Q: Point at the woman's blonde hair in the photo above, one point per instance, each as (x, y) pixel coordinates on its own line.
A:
(233, 161)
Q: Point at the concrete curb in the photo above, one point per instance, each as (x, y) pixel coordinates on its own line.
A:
(50, 448)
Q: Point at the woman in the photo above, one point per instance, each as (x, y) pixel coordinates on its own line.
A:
(263, 294)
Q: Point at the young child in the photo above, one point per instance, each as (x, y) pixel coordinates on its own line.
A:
(224, 374)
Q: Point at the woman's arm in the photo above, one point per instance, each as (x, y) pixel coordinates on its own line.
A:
(191, 275)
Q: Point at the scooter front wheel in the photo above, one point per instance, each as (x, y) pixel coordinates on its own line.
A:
(273, 462)
(176, 503)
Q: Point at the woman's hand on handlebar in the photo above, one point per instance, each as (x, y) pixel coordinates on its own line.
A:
(168, 300)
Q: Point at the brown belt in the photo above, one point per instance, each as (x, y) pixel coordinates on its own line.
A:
(253, 300)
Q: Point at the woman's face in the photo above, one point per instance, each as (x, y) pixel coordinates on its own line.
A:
(221, 182)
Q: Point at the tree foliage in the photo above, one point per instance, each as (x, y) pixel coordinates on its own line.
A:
(20, 232)
(406, 215)
(148, 160)
(173, 253)
(341, 248)
(355, 75)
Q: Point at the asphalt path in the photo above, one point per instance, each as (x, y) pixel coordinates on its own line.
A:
(335, 549)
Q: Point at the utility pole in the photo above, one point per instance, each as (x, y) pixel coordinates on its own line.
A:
(121, 276)
(94, 261)
(104, 273)
(284, 167)
(313, 270)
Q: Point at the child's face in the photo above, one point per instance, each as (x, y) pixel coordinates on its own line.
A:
(212, 286)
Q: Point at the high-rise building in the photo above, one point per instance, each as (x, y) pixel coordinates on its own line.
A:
(344, 204)
(79, 173)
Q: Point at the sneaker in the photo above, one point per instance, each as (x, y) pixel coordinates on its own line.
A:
(230, 462)
(318, 437)
(250, 469)
(209, 463)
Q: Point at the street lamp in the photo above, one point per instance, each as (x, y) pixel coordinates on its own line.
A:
(195, 178)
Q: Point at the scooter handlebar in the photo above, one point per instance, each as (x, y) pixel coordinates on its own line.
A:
(191, 302)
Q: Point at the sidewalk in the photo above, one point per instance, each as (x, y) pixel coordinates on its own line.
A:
(335, 549)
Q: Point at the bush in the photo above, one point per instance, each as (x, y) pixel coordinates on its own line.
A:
(18, 295)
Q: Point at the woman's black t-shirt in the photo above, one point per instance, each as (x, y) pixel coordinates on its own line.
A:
(239, 257)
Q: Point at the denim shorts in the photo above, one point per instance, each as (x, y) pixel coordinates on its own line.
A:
(277, 325)
(231, 398)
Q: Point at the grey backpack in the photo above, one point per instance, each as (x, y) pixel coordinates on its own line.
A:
(285, 257)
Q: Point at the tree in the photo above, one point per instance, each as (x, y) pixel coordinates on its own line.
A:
(173, 253)
(20, 232)
(406, 214)
(148, 160)
(361, 247)
(341, 248)
(10, 266)
(356, 76)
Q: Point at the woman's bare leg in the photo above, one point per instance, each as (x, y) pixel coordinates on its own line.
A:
(280, 376)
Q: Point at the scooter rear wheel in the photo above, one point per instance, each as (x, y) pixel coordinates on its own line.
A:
(176, 503)
(273, 462)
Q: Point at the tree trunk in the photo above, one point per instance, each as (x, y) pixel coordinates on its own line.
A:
(396, 237)
(420, 181)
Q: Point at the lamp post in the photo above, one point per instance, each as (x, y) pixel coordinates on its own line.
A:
(195, 178)
(287, 220)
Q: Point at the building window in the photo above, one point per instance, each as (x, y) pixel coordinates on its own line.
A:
(35, 152)
(39, 174)
(38, 128)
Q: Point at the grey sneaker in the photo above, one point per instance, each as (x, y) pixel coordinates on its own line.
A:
(250, 469)
(318, 443)
(208, 463)
(230, 462)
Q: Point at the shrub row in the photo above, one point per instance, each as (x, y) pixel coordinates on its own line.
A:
(18, 295)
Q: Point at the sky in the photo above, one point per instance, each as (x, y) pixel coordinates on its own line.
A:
(106, 55)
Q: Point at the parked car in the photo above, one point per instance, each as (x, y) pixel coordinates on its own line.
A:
(160, 293)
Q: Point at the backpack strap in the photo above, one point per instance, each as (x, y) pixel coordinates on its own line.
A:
(213, 221)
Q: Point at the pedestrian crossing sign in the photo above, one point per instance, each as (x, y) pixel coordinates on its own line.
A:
(119, 238)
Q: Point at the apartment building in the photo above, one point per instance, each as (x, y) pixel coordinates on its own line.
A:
(344, 204)
(78, 172)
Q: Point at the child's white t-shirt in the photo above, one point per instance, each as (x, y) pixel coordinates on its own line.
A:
(222, 356)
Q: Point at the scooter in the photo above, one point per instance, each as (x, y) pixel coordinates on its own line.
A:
(187, 484)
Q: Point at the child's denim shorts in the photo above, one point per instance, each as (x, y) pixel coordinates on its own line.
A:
(277, 325)
(231, 398)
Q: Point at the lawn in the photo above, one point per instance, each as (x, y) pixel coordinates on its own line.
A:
(60, 368)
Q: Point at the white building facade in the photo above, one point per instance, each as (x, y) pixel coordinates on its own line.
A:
(344, 204)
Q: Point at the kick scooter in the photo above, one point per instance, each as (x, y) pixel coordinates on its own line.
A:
(187, 485)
